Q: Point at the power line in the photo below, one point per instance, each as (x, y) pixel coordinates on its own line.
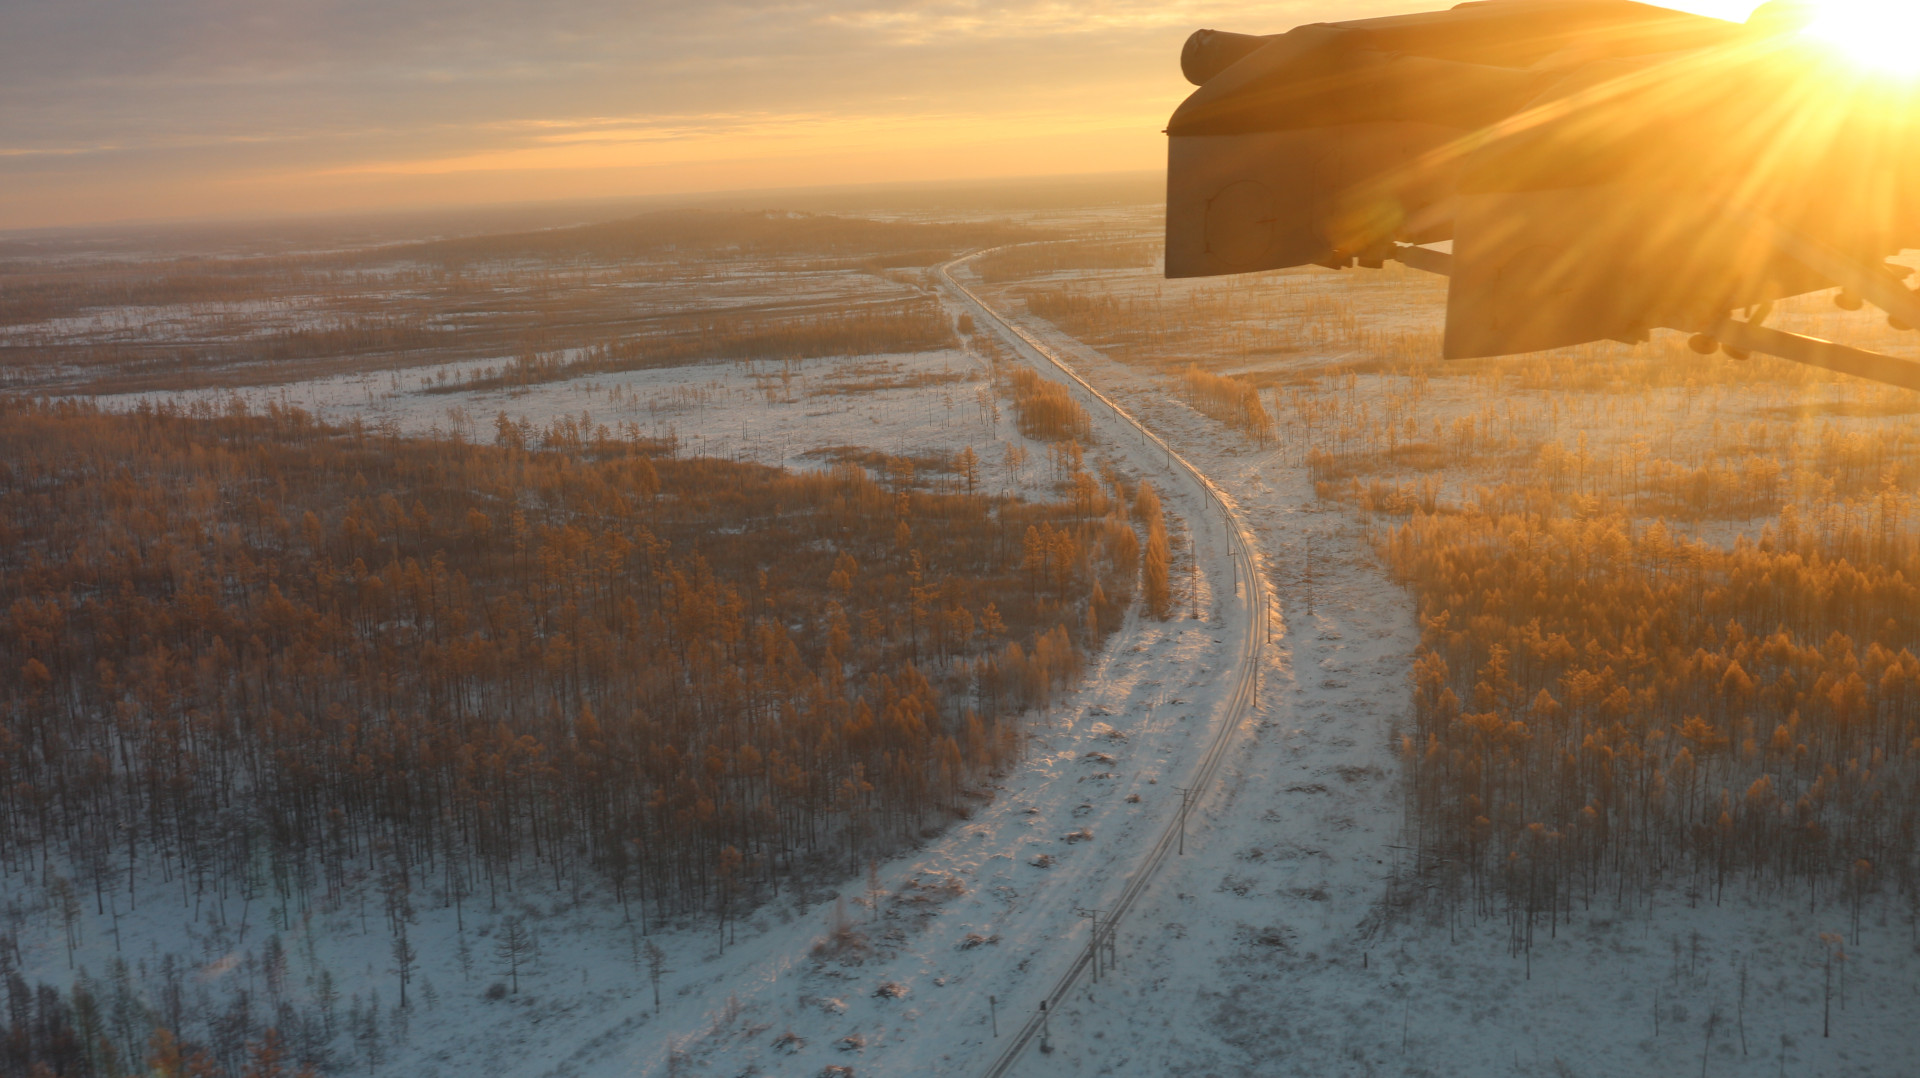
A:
(1246, 690)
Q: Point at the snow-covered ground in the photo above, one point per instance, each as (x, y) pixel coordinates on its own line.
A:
(969, 916)
(1269, 949)
(1266, 948)
(769, 412)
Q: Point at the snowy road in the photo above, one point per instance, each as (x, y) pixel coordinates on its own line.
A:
(1251, 618)
(1285, 942)
(980, 923)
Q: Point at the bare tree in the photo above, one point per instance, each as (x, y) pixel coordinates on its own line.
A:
(66, 905)
(404, 957)
(326, 995)
(513, 946)
(1831, 948)
(367, 1032)
(1713, 1025)
(656, 969)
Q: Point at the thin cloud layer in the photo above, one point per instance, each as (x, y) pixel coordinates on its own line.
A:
(111, 110)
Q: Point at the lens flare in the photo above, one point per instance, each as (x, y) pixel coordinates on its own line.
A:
(1878, 35)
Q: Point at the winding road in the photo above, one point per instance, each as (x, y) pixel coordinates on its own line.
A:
(1252, 616)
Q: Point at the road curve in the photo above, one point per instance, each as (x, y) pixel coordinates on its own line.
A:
(1255, 610)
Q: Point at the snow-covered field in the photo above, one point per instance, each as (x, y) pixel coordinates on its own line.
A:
(985, 910)
(772, 413)
(1269, 947)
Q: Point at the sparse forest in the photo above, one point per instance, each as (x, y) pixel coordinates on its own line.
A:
(911, 326)
(1045, 409)
(1602, 706)
(1669, 639)
(264, 658)
(1669, 620)
(1615, 693)
(1033, 259)
(283, 674)
(660, 288)
(1233, 401)
(702, 234)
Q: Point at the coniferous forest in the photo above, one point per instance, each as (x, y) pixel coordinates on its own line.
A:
(263, 657)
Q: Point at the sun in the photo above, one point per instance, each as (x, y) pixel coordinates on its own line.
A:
(1880, 35)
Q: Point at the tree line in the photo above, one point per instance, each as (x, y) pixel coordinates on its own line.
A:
(916, 325)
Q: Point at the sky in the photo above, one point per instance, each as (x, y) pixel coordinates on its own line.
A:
(115, 110)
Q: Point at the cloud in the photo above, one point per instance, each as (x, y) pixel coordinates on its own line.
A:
(646, 142)
(99, 95)
(946, 20)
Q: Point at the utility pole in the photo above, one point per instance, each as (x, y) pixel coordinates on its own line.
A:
(1309, 571)
(1186, 795)
(993, 1014)
(1093, 941)
(1193, 553)
(1046, 1029)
